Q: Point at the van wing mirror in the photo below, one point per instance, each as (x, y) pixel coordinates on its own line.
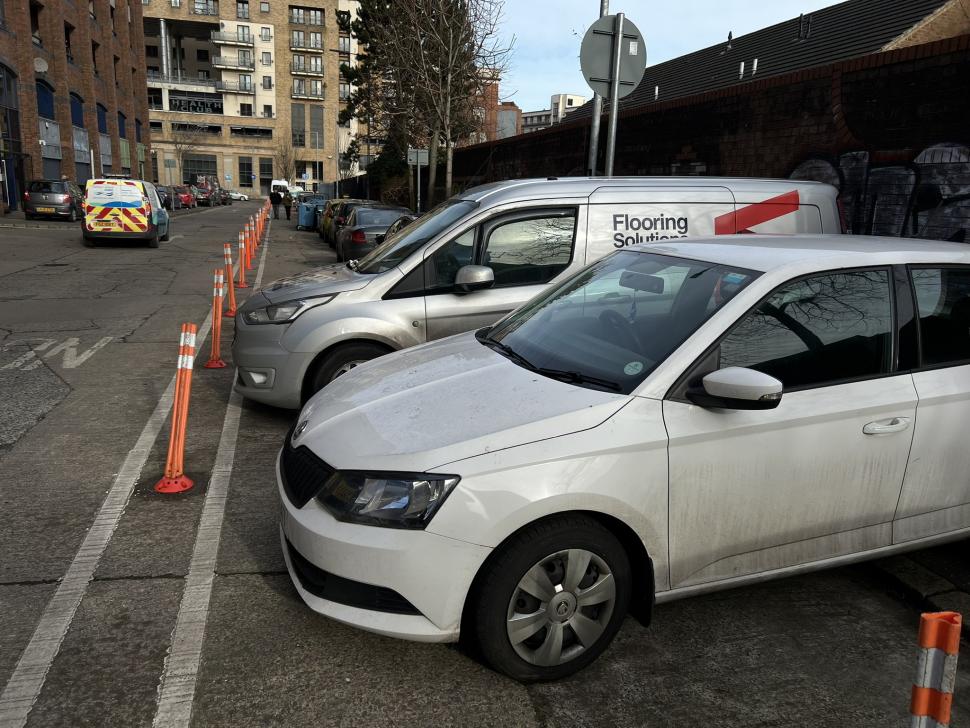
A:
(737, 388)
(474, 278)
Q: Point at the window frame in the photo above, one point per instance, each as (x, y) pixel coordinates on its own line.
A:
(914, 303)
(690, 376)
(487, 227)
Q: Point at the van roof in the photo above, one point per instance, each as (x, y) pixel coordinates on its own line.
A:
(528, 189)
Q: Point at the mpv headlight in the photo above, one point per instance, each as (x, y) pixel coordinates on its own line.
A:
(395, 500)
(281, 313)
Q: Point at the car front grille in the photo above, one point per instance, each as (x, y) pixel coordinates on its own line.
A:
(304, 474)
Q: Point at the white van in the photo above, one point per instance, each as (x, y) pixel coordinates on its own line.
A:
(475, 258)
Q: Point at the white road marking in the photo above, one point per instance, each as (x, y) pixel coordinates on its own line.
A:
(28, 678)
(71, 359)
(176, 688)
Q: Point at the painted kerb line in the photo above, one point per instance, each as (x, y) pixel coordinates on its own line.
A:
(28, 678)
(176, 688)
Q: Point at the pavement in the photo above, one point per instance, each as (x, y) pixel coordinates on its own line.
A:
(100, 622)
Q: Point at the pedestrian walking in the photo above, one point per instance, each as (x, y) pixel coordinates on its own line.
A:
(275, 198)
(287, 203)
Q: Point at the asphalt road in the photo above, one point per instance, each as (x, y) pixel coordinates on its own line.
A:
(87, 349)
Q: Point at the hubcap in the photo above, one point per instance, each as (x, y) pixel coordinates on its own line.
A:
(347, 367)
(560, 607)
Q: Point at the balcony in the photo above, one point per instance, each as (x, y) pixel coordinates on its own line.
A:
(301, 69)
(306, 45)
(234, 87)
(183, 81)
(233, 65)
(206, 8)
(306, 92)
(231, 39)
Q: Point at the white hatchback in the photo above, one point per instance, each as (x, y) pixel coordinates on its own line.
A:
(668, 421)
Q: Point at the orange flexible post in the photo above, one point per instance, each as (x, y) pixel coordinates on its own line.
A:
(227, 249)
(242, 263)
(939, 642)
(174, 480)
(215, 357)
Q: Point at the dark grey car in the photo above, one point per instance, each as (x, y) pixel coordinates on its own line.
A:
(53, 198)
(365, 230)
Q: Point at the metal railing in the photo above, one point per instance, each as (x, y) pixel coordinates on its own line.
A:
(236, 87)
(303, 68)
(205, 9)
(222, 62)
(231, 38)
(182, 79)
(306, 92)
(306, 44)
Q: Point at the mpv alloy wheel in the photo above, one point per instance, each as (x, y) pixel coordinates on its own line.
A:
(551, 598)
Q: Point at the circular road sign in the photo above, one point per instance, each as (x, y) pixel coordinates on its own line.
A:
(596, 56)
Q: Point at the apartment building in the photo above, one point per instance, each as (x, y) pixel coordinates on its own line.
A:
(247, 90)
(72, 92)
(560, 106)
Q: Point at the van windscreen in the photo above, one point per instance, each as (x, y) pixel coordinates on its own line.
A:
(396, 250)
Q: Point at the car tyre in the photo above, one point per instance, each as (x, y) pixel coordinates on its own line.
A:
(340, 361)
(153, 240)
(558, 627)
(73, 217)
(88, 242)
(168, 233)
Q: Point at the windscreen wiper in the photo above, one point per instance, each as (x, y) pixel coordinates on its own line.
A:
(573, 377)
(508, 352)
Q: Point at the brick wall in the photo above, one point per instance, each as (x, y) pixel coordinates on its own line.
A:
(890, 129)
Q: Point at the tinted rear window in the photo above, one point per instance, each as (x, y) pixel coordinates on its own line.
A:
(46, 186)
(377, 217)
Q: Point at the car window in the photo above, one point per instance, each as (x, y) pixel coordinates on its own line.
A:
(153, 196)
(818, 330)
(943, 302)
(442, 265)
(377, 217)
(531, 251)
(46, 186)
(618, 318)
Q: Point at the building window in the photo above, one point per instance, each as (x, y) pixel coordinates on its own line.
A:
(35, 11)
(316, 87)
(242, 33)
(299, 86)
(314, 17)
(268, 111)
(45, 101)
(267, 58)
(202, 55)
(245, 59)
(68, 32)
(246, 84)
(151, 51)
(316, 40)
(91, 8)
(299, 62)
(343, 44)
(298, 16)
(245, 109)
(264, 7)
(316, 64)
(297, 39)
(102, 119)
(242, 9)
(267, 82)
(203, 74)
(264, 34)
(266, 167)
(77, 111)
(245, 171)
(344, 89)
(122, 126)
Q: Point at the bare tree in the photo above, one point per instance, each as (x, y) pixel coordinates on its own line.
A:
(284, 155)
(186, 138)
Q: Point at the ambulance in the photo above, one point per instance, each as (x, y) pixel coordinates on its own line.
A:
(480, 255)
(124, 209)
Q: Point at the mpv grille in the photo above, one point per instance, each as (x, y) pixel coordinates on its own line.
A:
(303, 473)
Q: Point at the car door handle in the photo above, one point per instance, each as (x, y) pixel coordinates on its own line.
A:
(886, 427)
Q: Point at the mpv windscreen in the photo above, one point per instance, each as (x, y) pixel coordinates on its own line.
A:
(612, 323)
(396, 250)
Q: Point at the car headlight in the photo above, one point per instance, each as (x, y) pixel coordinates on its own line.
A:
(281, 313)
(395, 500)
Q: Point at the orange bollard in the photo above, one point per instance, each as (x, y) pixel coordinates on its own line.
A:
(215, 358)
(242, 263)
(248, 237)
(231, 311)
(939, 643)
(252, 229)
(175, 480)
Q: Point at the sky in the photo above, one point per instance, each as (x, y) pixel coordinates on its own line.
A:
(547, 34)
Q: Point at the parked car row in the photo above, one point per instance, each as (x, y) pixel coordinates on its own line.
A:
(355, 227)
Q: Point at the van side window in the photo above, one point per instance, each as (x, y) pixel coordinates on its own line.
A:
(531, 251)
(443, 264)
(943, 299)
(816, 331)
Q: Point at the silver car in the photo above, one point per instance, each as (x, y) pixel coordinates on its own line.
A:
(478, 256)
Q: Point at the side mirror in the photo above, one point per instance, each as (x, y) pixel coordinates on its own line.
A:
(737, 388)
(474, 278)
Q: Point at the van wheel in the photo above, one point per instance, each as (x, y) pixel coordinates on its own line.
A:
(153, 241)
(88, 242)
(551, 599)
(168, 232)
(340, 361)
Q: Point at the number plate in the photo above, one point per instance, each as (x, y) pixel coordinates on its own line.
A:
(45, 209)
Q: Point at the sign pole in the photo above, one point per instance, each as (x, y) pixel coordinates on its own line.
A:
(614, 93)
(594, 129)
(419, 183)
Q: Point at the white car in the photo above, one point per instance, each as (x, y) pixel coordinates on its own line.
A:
(671, 420)
(236, 195)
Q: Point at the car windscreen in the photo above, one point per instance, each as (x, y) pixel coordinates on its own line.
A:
(610, 325)
(377, 217)
(47, 186)
(396, 250)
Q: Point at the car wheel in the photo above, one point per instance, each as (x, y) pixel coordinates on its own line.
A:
(340, 361)
(551, 599)
(153, 241)
(73, 217)
(88, 242)
(168, 232)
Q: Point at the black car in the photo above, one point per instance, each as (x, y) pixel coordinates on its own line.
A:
(53, 198)
(166, 196)
(340, 216)
(365, 229)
